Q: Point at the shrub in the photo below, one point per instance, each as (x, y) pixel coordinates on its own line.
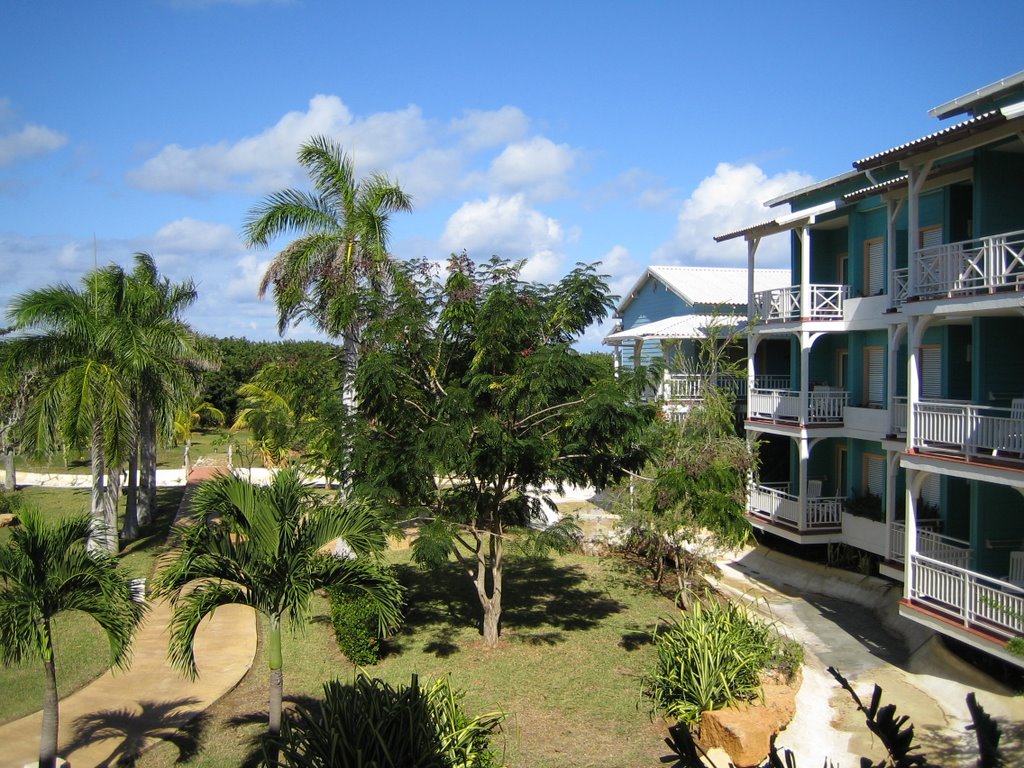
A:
(356, 627)
(370, 724)
(10, 502)
(713, 656)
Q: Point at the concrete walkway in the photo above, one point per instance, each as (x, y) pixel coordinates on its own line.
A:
(120, 713)
(851, 622)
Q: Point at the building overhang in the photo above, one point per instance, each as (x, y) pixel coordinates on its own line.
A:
(976, 639)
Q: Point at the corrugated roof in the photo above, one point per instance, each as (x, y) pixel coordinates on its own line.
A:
(966, 103)
(679, 327)
(946, 135)
(769, 224)
(875, 189)
(708, 285)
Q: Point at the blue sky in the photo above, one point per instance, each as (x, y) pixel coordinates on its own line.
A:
(556, 132)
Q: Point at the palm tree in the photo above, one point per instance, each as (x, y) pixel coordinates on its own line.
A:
(340, 260)
(68, 338)
(45, 569)
(189, 419)
(264, 546)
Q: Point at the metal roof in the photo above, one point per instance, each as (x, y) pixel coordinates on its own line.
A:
(782, 222)
(818, 185)
(875, 189)
(966, 103)
(679, 327)
(944, 136)
(707, 285)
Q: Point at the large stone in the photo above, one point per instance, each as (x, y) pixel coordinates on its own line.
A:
(8, 519)
(745, 731)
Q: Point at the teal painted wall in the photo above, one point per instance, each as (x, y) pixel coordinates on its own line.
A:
(998, 516)
(998, 192)
(857, 449)
(653, 302)
(998, 365)
(826, 245)
(858, 342)
(865, 224)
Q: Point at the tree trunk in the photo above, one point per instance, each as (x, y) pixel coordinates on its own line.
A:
(10, 476)
(187, 459)
(111, 504)
(51, 716)
(276, 684)
(97, 495)
(130, 532)
(489, 556)
(147, 463)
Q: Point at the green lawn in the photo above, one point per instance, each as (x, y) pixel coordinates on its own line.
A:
(575, 642)
(205, 443)
(81, 648)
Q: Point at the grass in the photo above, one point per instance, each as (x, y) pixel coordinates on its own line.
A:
(205, 443)
(81, 647)
(575, 643)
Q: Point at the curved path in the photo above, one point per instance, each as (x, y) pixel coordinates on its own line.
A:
(122, 712)
(851, 622)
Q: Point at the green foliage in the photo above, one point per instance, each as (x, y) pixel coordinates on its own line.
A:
(1015, 645)
(356, 626)
(10, 502)
(713, 656)
(370, 724)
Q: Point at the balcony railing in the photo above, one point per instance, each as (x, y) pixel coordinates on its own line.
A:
(968, 430)
(783, 304)
(824, 406)
(945, 549)
(970, 598)
(970, 266)
(898, 408)
(774, 503)
(690, 387)
(901, 284)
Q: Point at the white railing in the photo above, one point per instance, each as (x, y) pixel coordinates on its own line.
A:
(901, 285)
(970, 598)
(773, 502)
(782, 304)
(824, 406)
(985, 264)
(958, 427)
(771, 381)
(898, 408)
(945, 549)
(692, 386)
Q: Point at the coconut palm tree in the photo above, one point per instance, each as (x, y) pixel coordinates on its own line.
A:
(45, 569)
(268, 547)
(340, 262)
(67, 337)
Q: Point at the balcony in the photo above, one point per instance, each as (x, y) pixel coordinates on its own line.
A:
(783, 304)
(968, 431)
(945, 549)
(970, 599)
(969, 267)
(824, 406)
(773, 503)
(898, 406)
(690, 387)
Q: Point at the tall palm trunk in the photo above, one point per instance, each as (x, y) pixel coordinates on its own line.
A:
(130, 531)
(111, 503)
(97, 495)
(51, 717)
(10, 476)
(147, 462)
(276, 683)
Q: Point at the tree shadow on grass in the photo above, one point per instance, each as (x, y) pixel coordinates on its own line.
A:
(171, 721)
(543, 600)
(153, 534)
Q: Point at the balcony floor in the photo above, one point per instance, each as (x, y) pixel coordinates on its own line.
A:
(974, 636)
(786, 530)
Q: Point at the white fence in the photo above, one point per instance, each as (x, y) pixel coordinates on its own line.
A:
(824, 406)
(782, 304)
(953, 426)
(970, 266)
(970, 598)
(773, 502)
(945, 549)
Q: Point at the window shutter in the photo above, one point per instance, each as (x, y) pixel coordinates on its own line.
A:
(874, 371)
(931, 492)
(874, 469)
(931, 237)
(931, 372)
(876, 268)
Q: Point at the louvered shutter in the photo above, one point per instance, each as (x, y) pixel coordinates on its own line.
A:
(874, 375)
(874, 474)
(931, 372)
(931, 491)
(875, 266)
(931, 237)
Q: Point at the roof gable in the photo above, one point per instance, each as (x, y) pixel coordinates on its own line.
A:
(713, 286)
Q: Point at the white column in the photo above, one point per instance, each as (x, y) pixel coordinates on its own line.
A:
(804, 451)
(805, 374)
(890, 249)
(894, 334)
(752, 243)
(913, 379)
(805, 272)
(910, 539)
(913, 227)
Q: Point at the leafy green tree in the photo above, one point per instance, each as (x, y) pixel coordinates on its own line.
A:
(694, 487)
(339, 262)
(84, 398)
(45, 569)
(263, 546)
(471, 396)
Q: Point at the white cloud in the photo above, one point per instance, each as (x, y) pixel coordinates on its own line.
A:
(730, 199)
(538, 167)
(482, 129)
(267, 161)
(248, 275)
(29, 141)
(190, 235)
(509, 228)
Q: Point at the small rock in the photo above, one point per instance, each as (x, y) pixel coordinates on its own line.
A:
(8, 519)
